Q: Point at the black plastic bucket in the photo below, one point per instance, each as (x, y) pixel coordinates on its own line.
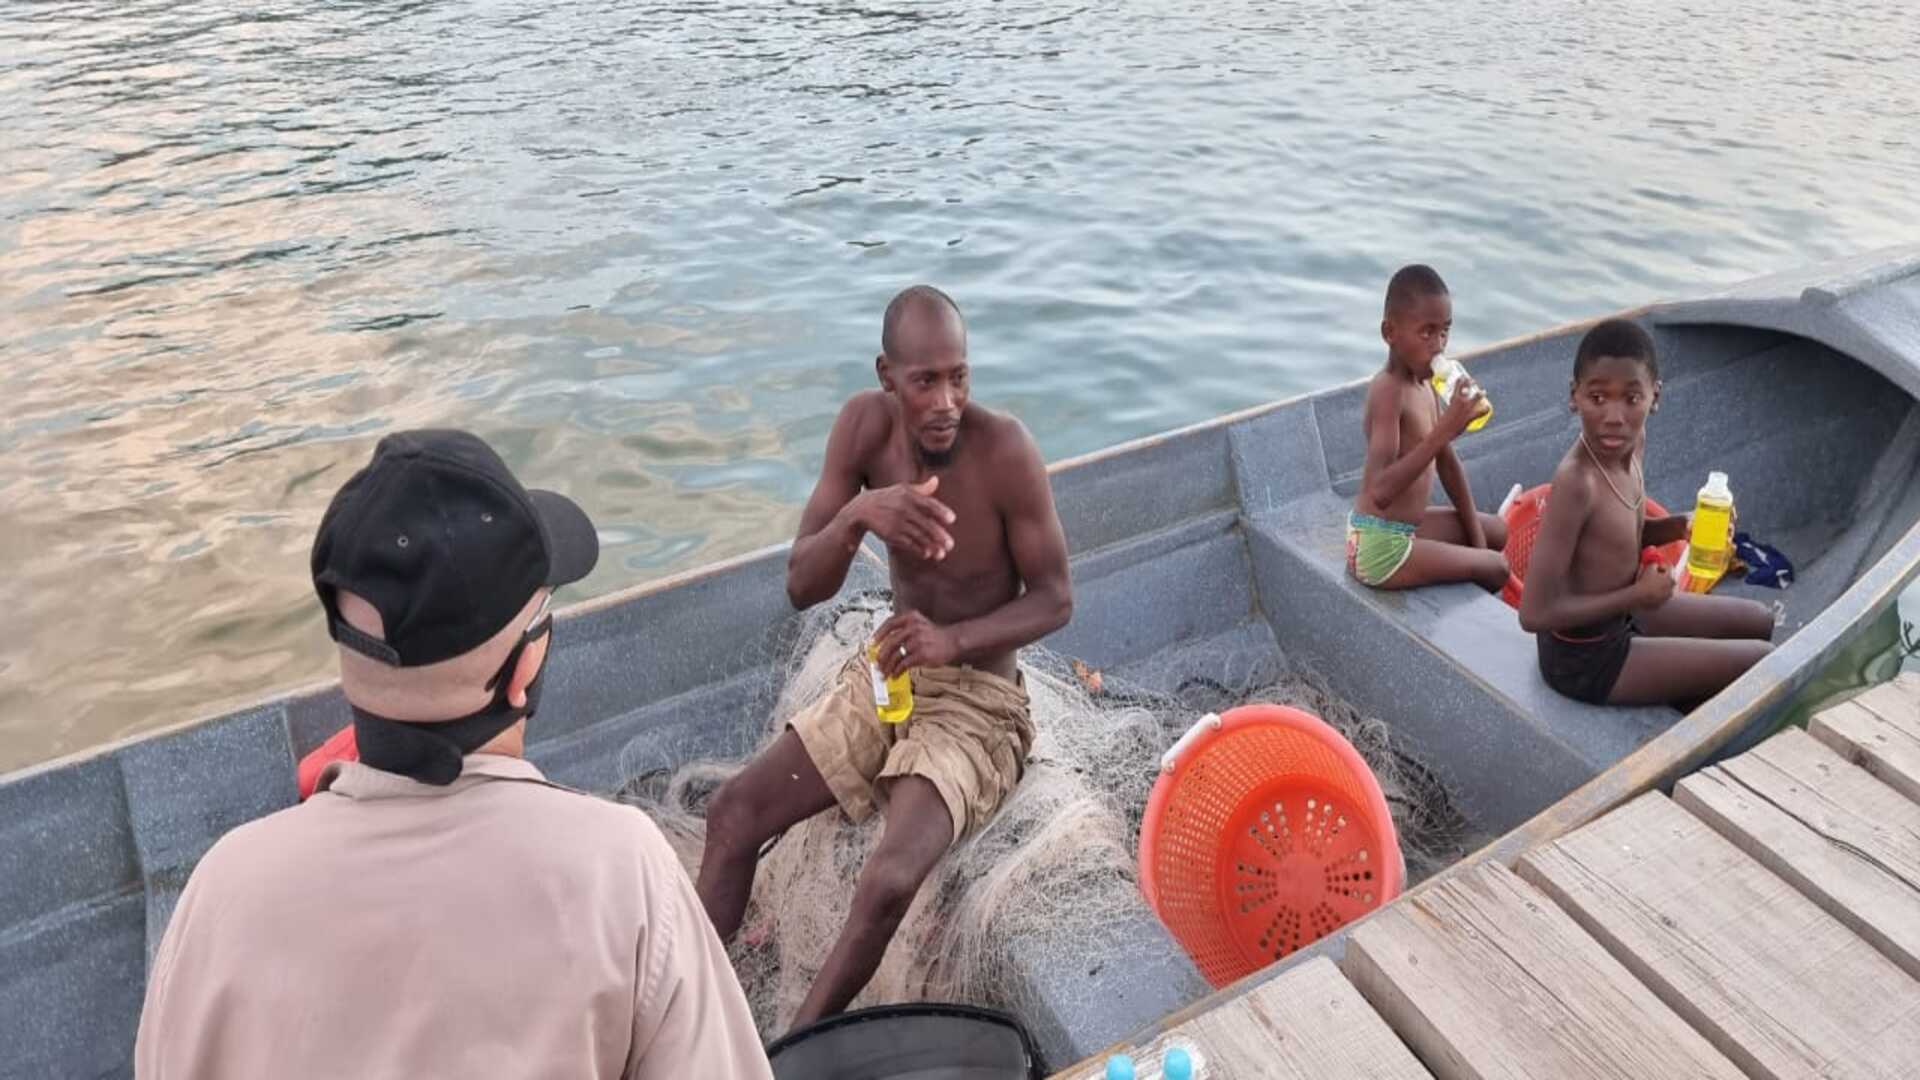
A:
(908, 1042)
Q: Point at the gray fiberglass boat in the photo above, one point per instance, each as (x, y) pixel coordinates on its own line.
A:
(1224, 540)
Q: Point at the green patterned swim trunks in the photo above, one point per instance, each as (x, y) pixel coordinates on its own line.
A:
(1376, 547)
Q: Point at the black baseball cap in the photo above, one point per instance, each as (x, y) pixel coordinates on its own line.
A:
(440, 538)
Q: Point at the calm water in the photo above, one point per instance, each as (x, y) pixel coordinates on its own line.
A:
(643, 248)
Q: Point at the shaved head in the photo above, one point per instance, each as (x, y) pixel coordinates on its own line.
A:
(916, 302)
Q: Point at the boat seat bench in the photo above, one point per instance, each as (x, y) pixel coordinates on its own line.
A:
(1474, 631)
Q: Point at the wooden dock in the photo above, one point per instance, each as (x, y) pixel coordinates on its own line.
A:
(1763, 921)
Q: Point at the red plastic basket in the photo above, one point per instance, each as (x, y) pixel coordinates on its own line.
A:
(1523, 516)
(1265, 831)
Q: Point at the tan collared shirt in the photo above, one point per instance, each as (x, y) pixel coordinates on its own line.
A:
(499, 926)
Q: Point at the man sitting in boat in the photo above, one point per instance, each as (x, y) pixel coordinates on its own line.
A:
(1611, 630)
(1394, 539)
(979, 565)
(438, 909)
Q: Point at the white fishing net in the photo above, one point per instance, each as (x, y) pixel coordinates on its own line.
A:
(1051, 881)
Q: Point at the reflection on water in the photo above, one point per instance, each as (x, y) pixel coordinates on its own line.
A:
(643, 248)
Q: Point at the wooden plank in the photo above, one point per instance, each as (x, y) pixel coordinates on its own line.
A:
(1847, 841)
(1317, 1022)
(1775, 983)
(1880, 732)
(1484, 977)
(1898, 701)
(1305, 1024)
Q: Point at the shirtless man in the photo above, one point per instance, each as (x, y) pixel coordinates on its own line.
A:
(1394, 539)
(1610, 628)
(979, 565)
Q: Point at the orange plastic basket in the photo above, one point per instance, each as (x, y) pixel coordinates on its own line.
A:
(1523, 515)
(1265, 831)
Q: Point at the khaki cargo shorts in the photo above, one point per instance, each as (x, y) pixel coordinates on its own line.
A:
(969, 735)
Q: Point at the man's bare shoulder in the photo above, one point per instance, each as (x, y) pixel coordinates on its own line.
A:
(869, 412)
(997, 426)
(864, 424)
(1008, 442)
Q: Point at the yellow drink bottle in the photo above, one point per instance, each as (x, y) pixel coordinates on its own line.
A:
(892, 698)
(1709, 542)
(1447, 374)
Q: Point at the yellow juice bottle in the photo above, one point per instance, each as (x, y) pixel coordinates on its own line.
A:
(1447, 373)
(892, 698)
(1709, 542)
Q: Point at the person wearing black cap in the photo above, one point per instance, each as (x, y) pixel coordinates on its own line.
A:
(439, 908)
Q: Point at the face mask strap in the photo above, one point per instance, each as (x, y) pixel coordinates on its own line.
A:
(432, 753)
(537, 627)
(533, 634)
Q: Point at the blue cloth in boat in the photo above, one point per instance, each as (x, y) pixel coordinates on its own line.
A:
(1765, 565)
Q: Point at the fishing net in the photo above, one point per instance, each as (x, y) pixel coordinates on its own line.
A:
(1050, 881)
